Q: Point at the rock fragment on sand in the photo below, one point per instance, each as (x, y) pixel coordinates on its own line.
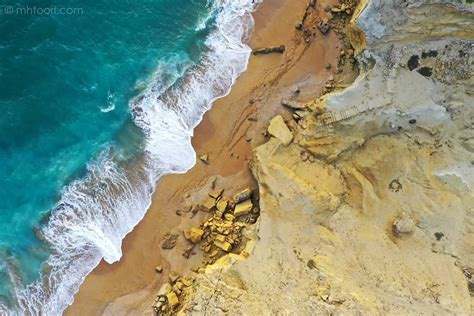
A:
(159, 269)
(204, 158)
(243, 208)
(216, 194)
(280, 130)
(404, 225)
(194, 234)
(268, 50)
(294, 104)
(242, 195)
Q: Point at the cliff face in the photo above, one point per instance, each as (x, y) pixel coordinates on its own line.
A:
(370, 209)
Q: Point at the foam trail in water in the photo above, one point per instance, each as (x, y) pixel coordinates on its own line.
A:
(95, 213)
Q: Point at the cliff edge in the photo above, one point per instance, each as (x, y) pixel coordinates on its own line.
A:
(368, 206)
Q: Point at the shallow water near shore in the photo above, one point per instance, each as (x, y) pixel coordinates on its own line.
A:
(97, 106)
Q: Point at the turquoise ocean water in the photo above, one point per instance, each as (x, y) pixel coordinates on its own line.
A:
(99, 99)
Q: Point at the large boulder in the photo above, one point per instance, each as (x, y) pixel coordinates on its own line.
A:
(280, 130)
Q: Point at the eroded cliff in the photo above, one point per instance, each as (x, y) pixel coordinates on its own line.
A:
(370, 207)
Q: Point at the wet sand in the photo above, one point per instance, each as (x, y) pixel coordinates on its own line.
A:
(227, 134)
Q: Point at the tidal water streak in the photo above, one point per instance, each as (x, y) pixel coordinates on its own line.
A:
(96, 106)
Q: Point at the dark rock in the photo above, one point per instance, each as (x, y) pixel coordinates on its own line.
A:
(431, 53)
(470, 287)
(269, 50)
(439, 235)
(323, 26)
(425, 71)
(395, 185)
(413, 62)
(412, 121)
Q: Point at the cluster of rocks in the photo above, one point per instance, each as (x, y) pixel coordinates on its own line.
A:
(221, 233)
(217, 236)
(168, 298)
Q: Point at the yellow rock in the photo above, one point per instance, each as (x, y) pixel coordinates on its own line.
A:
(223, 245)
(194, 234)
(243, 208)
(186, 282)
(278, 129)
(216, 193)
(220, 238)
(173, 277)
(165, 288)
(229, 217)
(243, 195)
(173, 300)
(209, 203)
(222, 205)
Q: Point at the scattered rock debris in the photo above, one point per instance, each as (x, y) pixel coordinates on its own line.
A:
(217, 236)
(168, 298)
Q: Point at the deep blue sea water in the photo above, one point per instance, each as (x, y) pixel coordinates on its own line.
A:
(98, 102)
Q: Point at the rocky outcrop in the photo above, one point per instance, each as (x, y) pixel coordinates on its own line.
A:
(368, 209)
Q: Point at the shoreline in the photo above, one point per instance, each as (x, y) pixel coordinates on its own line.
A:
(223, 135)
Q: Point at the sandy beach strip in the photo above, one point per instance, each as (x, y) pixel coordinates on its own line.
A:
(227, 134)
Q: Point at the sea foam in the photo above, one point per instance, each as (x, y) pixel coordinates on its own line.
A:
(95, 213)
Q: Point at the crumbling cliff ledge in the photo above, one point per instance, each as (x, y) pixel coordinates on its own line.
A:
(368, 206)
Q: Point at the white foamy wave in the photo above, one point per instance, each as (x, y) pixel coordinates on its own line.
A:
(88, 224)
(170, 118)
(97, 212)
(110, 103)
(107, 109)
